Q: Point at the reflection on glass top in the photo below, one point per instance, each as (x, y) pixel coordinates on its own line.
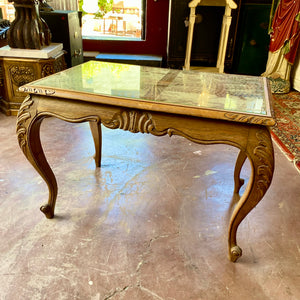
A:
(245, 94)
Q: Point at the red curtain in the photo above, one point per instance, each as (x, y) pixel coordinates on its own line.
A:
(285, 30)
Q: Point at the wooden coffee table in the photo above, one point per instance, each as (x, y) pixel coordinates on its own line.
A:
(205, 108)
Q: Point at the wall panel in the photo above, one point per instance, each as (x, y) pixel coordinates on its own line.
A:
(63, 4)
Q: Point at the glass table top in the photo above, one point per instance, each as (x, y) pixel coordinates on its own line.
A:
(203, 90)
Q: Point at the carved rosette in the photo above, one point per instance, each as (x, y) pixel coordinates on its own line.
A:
(23, 116)
(47, 70)
(21, 74)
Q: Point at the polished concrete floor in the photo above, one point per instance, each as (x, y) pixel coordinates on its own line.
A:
(150, 224)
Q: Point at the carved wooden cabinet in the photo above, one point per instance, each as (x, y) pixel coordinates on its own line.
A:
(15, 72)
(207, 32)
(65, 28)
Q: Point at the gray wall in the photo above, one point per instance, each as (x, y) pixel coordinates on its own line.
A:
(63, 4)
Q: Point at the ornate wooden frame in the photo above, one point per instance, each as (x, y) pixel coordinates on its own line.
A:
(15, 72)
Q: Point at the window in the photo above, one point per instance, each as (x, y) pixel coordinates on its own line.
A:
(112, 19)
(8, 11)
(154, 33)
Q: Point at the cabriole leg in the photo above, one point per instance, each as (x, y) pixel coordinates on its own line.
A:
(238, 181)
(261, 156)
(28, 131)
(97, 136)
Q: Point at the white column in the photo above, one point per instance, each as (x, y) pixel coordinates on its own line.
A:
(224, 39)
(190, 38)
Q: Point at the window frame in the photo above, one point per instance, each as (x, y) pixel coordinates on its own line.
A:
(155, 34)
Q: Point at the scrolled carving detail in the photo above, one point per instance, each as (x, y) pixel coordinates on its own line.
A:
(265, 166)
(133, 121)
(139, 121)
(23, 116)
(247, 119)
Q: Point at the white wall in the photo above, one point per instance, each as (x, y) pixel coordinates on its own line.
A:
(295, 73)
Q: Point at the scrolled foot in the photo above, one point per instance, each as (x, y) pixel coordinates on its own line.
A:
(235, 253)
(47, 210)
